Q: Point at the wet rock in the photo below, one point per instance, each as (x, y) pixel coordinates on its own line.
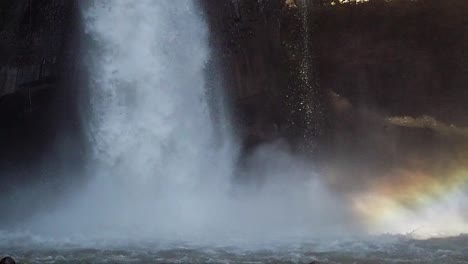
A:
(7, 260)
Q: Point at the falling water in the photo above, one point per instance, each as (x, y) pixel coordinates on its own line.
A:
(154, 158)
(149, 113)
(306, 57)
(157, 172)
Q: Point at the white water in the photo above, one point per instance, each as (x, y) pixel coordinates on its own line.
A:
(157, 173)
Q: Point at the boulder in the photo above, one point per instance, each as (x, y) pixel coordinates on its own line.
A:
(7, 260)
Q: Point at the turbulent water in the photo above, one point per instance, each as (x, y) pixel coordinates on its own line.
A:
(370, 251)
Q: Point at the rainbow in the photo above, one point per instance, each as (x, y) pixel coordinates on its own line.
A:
(415, 201)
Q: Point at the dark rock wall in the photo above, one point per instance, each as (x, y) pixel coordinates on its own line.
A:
(327, 78)
(400, 57)
(38, 72)
(250, 52)
(33, 34)
(263, 46)
(388, 57)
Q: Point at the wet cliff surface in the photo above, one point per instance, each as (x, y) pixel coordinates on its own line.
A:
(402, 57)
(345, 77)
(397, 58)
(384, 59)
(38, 114)
(34, 37)
(266, 50)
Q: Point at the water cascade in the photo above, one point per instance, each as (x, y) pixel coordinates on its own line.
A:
(158, 170)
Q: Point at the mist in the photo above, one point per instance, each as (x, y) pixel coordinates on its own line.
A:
(404, 174)
(159, 167)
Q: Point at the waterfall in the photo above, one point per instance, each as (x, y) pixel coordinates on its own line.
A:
(154, 157)
(159, 169)
(149, 112)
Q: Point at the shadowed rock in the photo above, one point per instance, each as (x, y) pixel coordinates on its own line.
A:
(7, 260)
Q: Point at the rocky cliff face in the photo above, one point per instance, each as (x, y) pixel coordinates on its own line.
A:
(336, 76)
(397, 57)
(265, 49)
(37, 86)
(34, 36)
(283, 61)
